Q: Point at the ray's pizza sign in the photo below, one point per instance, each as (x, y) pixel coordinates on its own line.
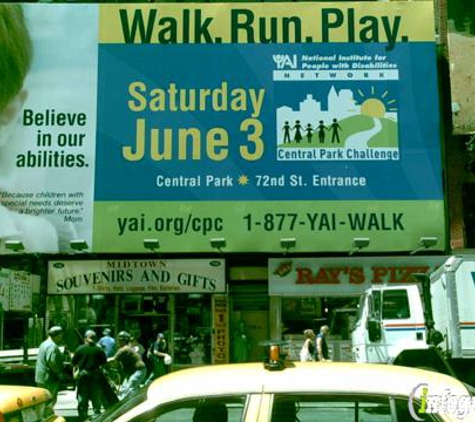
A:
(343, 276)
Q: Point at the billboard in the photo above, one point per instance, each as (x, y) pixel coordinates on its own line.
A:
(187, 122)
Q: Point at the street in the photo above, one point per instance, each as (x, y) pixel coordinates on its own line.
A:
(66, 405)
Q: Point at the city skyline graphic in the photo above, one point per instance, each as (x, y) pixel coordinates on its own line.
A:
(358, 120)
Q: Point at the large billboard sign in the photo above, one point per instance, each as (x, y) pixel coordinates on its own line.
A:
(248, 122)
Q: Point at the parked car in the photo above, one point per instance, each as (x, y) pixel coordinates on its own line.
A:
(279, 391)
(26, 404)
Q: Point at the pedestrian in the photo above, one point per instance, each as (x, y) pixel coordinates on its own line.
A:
(108, 343)
(138, 348)
(307, 353)
(241, 342)
(132, 366)
(50, 364)
(158, 354)
(87, 362)
(322, 345)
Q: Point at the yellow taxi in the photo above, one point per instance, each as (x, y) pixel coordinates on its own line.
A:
(26, 404)
(283, 391)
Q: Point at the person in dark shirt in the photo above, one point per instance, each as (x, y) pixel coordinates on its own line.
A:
(322, 345)
(87, 362)
(131, 364)
(158, 353)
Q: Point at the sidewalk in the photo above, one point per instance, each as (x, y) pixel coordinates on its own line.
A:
(66, 406)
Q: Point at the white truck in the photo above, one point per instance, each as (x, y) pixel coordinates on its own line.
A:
(428, 323)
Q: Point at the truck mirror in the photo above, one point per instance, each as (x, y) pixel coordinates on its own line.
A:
(374, 329)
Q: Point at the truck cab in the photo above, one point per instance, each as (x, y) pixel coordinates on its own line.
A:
(390, 319)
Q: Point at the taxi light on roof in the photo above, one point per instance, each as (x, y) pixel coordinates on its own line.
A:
(274, 359)
(274, 353)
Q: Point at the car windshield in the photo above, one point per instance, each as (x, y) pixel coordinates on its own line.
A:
(470, 389)
(121, 407)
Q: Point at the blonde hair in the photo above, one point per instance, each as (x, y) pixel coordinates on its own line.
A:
(309, 333)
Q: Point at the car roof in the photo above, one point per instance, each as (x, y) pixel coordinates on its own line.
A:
(298, 377)
(14, 397)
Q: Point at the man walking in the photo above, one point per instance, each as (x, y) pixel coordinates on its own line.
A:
(87, 362)
(323, 354)
(50, 363)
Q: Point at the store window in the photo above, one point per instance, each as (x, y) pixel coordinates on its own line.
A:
(299, 314)
(144, 317)
(184, 320)
(192, 337)
(78, 313)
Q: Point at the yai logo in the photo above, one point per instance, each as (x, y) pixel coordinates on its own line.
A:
(284, 60)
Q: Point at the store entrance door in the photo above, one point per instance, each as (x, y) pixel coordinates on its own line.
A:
(257, 327)
(249, 321)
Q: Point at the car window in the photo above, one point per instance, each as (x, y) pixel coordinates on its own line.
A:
(121, 407)
(345, 408)
(470, 389)
(213, 409)
(330, 409)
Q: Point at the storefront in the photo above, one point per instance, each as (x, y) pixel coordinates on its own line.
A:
(311, 292)
(20, 326)
(183, 299)
(19, 297)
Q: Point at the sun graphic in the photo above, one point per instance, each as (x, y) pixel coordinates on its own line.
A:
(375, 107)
(243, 180)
